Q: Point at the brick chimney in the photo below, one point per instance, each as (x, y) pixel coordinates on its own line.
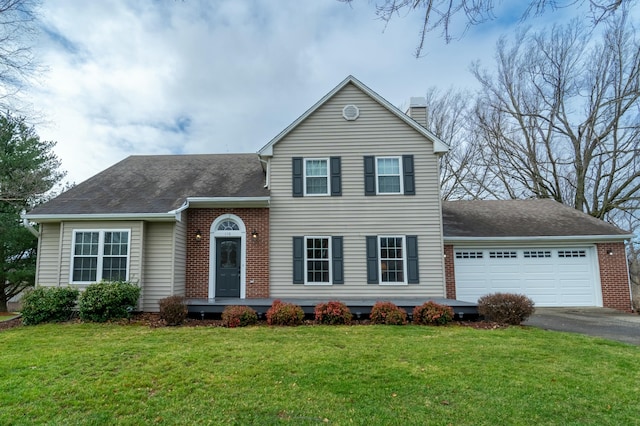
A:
(418, 110)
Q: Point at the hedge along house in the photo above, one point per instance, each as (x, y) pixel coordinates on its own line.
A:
(342, 204)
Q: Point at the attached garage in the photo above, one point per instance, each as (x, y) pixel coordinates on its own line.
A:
(562, 276)
(556, 255)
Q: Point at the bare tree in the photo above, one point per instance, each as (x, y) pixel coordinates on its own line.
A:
(561, 118)
(440, 14)
(448, 116)
(17, 30)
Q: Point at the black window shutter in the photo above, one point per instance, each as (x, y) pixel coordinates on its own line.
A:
(298, 260)
(337, 258)
(409, 175)
(413, 276)
(369, 175)
(372, 260)
(296, 174)
(336, 176)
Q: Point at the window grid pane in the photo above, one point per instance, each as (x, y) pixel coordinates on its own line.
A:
(114, 268)
(316, 177)
(317, 260)
(388, 175)
(392, 259)
(87, 256)
(85, 268)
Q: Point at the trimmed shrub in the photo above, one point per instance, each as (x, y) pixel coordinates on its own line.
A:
(108, 300)
(506, 308)
(387, 313)
(239, 316)
(333, 313)
(281, 313)
(432, 313)
(48, 304)
(173, 310)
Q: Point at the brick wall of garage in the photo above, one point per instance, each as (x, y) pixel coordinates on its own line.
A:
(449, 272)
(197, 265)
(614, 276)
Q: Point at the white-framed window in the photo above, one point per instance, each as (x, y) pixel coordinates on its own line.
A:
(389, 175)
(316, 176)
(572, 253)
(469, 255)
(317, 260)
(99, 255)
(392, 259)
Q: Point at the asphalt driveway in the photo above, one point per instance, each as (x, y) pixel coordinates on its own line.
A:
(600, 322)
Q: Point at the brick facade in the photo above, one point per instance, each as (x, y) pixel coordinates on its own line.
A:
(257, 250)
(614, 276)
(449, 272)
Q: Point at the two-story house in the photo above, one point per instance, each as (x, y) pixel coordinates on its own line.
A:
(343, 204)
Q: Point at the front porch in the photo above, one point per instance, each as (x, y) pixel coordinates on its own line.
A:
(359, 307)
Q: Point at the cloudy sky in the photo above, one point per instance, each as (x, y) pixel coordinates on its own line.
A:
(189, 76)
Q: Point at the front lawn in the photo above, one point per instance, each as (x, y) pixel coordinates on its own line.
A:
(363, 375)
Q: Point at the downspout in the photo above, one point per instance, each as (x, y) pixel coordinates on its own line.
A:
(28, 225)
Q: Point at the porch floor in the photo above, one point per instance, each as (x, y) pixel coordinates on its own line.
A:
(357, 306)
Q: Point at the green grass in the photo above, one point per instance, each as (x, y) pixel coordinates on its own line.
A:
(7, 317)
(364, 375)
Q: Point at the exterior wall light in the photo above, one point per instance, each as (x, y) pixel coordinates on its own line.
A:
(254, 234)
(198, 235)
(610, 252)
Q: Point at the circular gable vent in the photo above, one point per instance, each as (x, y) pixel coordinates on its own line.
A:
(350, 112)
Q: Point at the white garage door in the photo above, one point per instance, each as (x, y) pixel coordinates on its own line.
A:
(549, 276)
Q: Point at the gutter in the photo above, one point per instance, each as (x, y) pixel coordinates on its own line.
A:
(160, 217)
(541, 239)
(27, 224)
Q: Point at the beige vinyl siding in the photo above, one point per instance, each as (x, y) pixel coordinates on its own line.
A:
(353, 215)
(158, 264)
(180, 258)
(48, 262)
(134, 249)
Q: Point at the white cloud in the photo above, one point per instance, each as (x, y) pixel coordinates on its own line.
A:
(159, 77)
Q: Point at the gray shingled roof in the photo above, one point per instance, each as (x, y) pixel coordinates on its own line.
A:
(161, 183)
(519, 218)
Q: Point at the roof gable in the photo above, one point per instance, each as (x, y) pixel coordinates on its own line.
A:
(438, 145)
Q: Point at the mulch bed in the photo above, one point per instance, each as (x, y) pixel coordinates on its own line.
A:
(153, 320)
(4, 325)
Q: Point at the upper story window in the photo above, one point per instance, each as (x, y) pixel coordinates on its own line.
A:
(100, 255)
(316, 176)
(388, 175)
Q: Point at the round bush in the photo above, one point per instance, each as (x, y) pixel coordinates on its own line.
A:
(387, 313)
(108, 300)
(48, 304)
(506, 308)
(432, 313)
(173, 310)
(281, 313)
(239, 316)
(332, 313)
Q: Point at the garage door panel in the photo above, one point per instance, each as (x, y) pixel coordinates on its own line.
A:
(549, 276)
